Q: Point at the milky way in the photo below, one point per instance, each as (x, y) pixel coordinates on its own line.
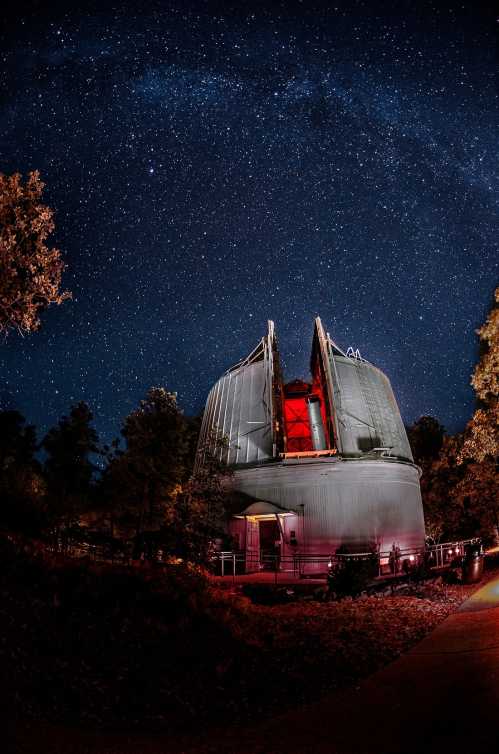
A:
(214, 166)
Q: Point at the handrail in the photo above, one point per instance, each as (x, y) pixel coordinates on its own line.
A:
(389, 562)
(318, 565)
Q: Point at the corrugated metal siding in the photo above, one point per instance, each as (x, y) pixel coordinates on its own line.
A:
(355, 424)
(344, 502)
(366, 410)
(238, 409)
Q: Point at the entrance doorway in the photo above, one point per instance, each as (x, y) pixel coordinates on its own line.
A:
(270, 545)
(267, 533)
(252, 544)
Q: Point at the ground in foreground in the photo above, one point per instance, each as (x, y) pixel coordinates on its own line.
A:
(92, 652)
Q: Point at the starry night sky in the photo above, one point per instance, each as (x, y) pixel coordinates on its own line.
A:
(215, 165)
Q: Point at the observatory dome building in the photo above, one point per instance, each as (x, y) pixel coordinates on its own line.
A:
(320, 464)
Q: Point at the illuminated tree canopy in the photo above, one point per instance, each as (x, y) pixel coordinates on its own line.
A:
(482, 433)
(30, 272)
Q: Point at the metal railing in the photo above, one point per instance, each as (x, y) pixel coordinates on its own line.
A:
(297, 565)
(301, 565)
(444, 553)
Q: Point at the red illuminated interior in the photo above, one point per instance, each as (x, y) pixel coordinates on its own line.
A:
(295, 414)
(298, 437)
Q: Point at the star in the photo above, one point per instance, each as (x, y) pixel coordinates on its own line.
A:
(210, 171)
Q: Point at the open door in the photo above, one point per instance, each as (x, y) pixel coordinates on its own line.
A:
(241, 422)
(252, 545)
(365, 417)
(321, 366)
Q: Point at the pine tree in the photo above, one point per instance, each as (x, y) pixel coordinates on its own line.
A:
(201, 509)
(154, 465)
(426, 436)
(444, 509)
(68, 466)
(21, 483)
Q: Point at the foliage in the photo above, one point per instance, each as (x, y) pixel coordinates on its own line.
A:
(482, 433)
(157, 442)
(425, 437)
(30, 272)
(21, 483)
(113, 499)
(157, 446)
(459, 483)
(141, 484)
(140, 647)
(443, 513)
(201, 510)
(485, 379)
(68, 466)
(134, 646)
(148, 491)
(351, 576)
(478, 495)
(460, 500)
(17, 440)
(193, 430)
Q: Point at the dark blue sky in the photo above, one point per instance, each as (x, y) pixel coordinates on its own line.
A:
(212, 166)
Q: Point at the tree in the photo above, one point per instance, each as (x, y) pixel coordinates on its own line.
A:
(68, 466)
(17, 440)
(445, 513)
(112, 490)
(21, 483)
(478, 494)
(425, 437)
(479, 455)
(201, 510)
(459, 486)
(30, 272)
(154, 465)
(460, 499)
(482, 433)
(148, 492)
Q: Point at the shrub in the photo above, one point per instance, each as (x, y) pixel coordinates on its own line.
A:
(352, 576)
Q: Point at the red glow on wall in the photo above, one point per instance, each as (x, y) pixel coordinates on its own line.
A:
(296, 421)
(296, 416)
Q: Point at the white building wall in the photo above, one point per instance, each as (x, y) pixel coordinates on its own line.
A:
(355, 503)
